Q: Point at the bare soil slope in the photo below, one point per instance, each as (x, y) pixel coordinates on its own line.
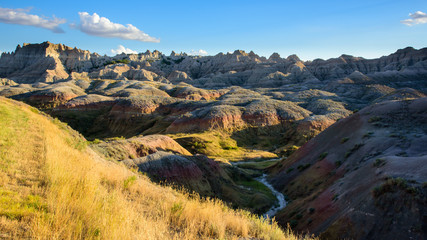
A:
(362, 178)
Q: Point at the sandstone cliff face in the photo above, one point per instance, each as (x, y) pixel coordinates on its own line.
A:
(45, 62)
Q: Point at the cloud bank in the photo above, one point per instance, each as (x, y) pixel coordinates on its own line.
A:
(103, 27)
(415, 18)
(199, 52)
(121, 49)
(22, 17)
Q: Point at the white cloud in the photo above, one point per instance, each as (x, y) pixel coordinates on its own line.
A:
(22, 17)
(121, 49)
(415, 18)
(199, 52)
(103, 27)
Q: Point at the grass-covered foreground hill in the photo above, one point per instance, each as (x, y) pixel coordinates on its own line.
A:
(53, 187)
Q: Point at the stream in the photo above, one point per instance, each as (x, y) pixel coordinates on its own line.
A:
(263, 179)
(282, 202)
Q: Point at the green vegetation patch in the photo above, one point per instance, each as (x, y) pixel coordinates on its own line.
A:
(393, 185)
(257, 186)
(15, 206)
(353, 149)
(302, 167)
(374, 119)
(227, 146)
(12, 122)
(323, 155)
(124, 61)
(258, 165)
(129, 181)
(379, 162)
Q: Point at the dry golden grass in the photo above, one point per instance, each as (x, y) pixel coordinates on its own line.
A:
(61, 190)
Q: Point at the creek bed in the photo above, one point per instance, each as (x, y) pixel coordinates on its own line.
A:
(280, 197)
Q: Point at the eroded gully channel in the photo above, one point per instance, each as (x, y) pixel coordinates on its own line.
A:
(279, 196)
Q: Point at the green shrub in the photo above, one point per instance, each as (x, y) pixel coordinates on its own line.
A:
(379, 162)
(128, 182)
(177, 208)
(302, 167)
(179, 60)
(166, 62)
(368, 134)
(374, 119)
(352, 150)
(226, 146)
(124, 61)
(198, 146)
(323, 155)
(95, 141)
(343, 140)
(293, 223)
(392, 185)
(335, 197)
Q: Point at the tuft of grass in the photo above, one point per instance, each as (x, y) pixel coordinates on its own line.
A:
(323, 155)
(368, 134)
(302, 167)
(335, 197)
(379, 162)
(393, 185)
(353, 149)
(15, 206)
(129, 181)
(227, 146)
(374, 119)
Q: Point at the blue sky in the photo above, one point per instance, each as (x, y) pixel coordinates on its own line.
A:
(311, 29)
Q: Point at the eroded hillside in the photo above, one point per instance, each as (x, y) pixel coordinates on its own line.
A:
(362, 178)
(53, 186)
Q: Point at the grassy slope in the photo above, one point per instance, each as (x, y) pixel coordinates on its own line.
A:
(218, 145)
(53, 187)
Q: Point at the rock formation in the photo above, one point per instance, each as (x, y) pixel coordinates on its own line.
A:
(49, 62)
